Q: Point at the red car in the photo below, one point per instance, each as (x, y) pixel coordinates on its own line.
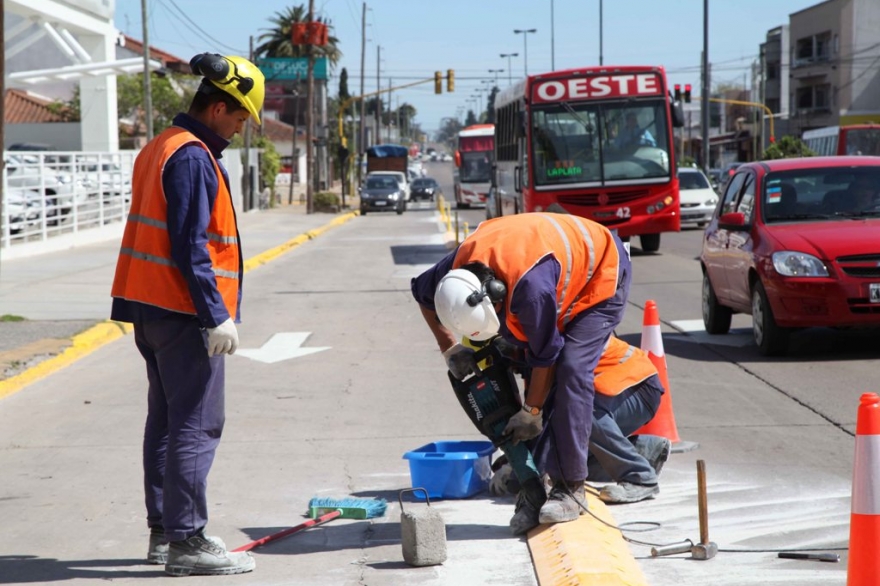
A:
(796, 244)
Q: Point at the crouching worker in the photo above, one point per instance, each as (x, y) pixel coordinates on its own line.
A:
(628, 392)
(555, 285)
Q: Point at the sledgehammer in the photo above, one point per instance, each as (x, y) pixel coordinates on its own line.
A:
(705, 550)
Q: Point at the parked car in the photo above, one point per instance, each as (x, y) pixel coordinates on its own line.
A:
(425, 188)
(791, 244)
(23, 208)
(697, 198)
(381, 192)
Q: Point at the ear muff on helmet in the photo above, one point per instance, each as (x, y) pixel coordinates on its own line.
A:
(465, 305)
(238, 83)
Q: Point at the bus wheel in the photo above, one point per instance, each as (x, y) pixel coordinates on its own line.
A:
(650, 242)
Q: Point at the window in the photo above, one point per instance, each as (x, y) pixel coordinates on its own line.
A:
(772, 70)
(747, 202)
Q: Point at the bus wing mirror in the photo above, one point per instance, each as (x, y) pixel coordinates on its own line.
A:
(494, 181)
(677, 115)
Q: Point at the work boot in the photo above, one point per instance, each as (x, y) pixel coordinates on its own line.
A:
(528, 505)
(627, 492)
(157, 554)
(567, 502)
(655, 449)
(206, 556)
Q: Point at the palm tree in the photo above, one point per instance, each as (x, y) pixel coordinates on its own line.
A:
(276, 42)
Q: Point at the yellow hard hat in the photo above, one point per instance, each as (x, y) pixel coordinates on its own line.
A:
(236, 76)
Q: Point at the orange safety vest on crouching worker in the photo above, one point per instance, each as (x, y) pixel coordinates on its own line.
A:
(145, 270)
(512, 245)
(620, 367)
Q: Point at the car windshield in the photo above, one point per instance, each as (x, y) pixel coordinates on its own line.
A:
(821, 194)
(476, 166)
(582, 142)
(382, 183)
(692, 180)
(422, 183)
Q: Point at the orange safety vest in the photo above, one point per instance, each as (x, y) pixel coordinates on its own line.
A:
(620, 367)
(145, 270)
(512, 245)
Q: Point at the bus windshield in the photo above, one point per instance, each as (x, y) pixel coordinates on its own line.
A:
(476, 167)
(583, 142)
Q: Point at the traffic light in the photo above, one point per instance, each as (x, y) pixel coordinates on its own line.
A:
(450, 80)
(687, 93)
(438, 82)
(677, 93)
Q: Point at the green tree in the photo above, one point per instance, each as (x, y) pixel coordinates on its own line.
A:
(470, 119)
(168, 99)
(490, 105)
(276, 41)
(343, 86)
(787, 147)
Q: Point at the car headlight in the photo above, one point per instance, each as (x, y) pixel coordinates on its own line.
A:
(429, 190)
(394, 195)
(711, 202)
(798, 264)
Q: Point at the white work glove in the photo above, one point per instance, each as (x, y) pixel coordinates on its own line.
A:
(524, 426)
(460, 361)
(498, 484)
(223, 339)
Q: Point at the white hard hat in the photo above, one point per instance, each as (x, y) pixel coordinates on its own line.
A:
(478, 321)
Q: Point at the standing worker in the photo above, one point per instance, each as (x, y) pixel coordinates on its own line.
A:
(178, 280)
(555, 285)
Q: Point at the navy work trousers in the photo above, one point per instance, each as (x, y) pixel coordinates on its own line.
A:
(613, 456)
(562, 449)
(185, 417)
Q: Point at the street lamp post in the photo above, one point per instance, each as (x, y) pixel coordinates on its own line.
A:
(496, 72)
(525, 34)
(509, 68)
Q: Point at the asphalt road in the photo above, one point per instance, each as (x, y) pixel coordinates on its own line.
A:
(776, 434)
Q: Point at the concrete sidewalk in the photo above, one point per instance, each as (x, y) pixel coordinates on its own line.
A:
(52, 304)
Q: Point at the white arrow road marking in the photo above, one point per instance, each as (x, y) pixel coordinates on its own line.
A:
(281, 346)
(695, 332)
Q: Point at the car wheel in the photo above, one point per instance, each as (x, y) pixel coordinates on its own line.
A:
(363, 212)
(716, 318)
(650, 242)
(462, 206)
(771, 339)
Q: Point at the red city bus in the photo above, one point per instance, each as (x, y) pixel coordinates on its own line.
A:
(596, 142)
(472, 175)
(851, 139)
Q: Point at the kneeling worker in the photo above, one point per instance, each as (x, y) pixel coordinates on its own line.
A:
(628, 392)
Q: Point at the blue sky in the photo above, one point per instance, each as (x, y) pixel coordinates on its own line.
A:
(418, 37)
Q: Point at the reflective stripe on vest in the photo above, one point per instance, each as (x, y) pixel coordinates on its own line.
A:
(620, 367)
(145, 270)
(513, 245)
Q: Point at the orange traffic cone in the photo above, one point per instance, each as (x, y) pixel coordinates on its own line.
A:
(663, 422)
(864, 525)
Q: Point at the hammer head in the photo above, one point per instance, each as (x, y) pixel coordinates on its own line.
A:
(704, 551)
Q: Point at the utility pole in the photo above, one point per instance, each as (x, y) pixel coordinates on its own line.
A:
(2, 112)
(388, 128)
(704, 100)
(378, 99)
(310, 119)
(248, 174)
(148, 86)
(363, 128)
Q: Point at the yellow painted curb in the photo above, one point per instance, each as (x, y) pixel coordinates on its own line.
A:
(81, 345)
(584, 552)
(107, 331)
(264, 257)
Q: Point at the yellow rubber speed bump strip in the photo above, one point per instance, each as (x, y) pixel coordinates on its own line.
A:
(584, 552)
(272, 253)
(81, 345)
